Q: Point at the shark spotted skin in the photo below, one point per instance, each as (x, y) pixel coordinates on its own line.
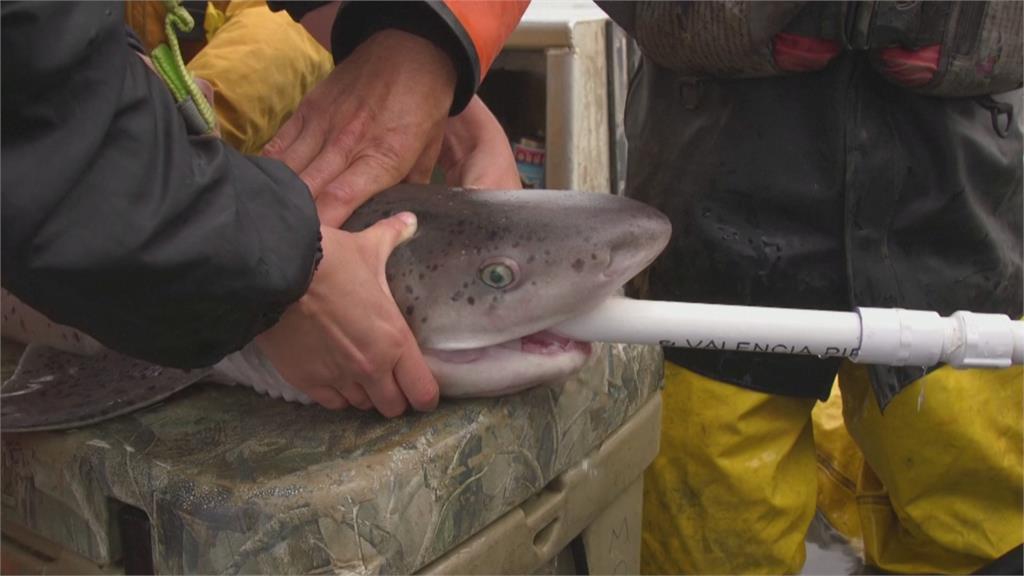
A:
(487, 272)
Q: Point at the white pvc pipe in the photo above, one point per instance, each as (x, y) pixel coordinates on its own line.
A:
(892, 337)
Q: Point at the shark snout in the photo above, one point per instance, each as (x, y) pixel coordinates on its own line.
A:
(636, 244)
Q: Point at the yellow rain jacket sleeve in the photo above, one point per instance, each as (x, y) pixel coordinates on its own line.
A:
(260, 64)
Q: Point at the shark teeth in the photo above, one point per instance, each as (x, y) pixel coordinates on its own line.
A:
(550, 343)
(542, 343)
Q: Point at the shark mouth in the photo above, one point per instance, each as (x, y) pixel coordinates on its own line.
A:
(532, 360)
(543, 343)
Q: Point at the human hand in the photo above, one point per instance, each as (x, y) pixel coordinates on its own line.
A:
(345, 341)
(475, 152)
(376, 120)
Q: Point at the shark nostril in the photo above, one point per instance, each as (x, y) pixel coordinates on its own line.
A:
(609, 261)
(615, 261)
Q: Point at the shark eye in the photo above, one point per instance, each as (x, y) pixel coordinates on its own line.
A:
(499, 274)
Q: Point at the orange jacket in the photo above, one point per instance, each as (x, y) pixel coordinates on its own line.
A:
(482, 26)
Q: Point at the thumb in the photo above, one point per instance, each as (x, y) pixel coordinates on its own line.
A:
(386, 235)
(392, 232)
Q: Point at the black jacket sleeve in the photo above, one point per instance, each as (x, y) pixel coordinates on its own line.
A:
(358, 20)
(174, 249)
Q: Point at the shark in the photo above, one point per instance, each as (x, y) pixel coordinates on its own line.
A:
(480, 284)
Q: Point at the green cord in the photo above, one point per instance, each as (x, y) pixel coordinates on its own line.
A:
(163, 60)
(171, 67)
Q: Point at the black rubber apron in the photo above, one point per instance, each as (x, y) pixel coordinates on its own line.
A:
(826, 190)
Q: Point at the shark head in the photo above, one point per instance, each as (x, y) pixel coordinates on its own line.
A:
(485, 276)
(488, 272)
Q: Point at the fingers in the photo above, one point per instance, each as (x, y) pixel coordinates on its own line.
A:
(324, 168)
(486, 169)
(286, 134)
(367, 175)
(355, 395)
(387, 397)
(328, 398)
(388, 402)
(296, 143)
(423, 168)
(476, 152)
(415, 379)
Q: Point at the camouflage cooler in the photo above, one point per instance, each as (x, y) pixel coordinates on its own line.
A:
(221, 480)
